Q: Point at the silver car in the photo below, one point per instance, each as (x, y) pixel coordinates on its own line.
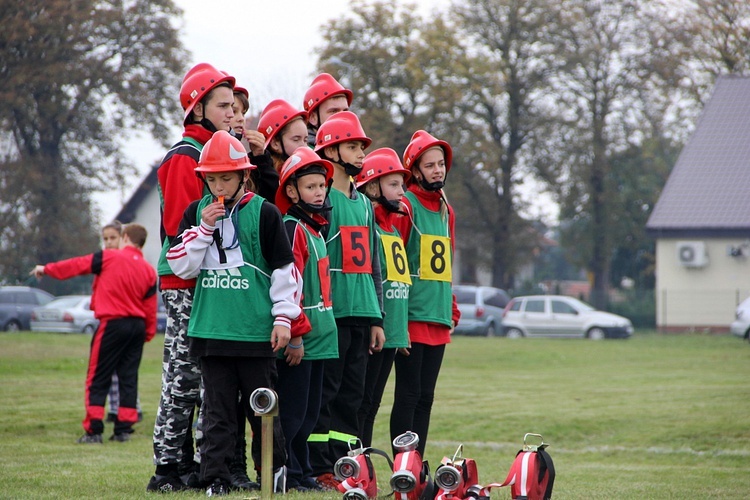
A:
(66, 314)
(561, 316)
(481, 310)
(741, 324)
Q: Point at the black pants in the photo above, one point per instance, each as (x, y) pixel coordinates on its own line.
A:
(378, 369)
(343, 387)
(416, 377)
(116, 347)
(223, 378)
(299, 389)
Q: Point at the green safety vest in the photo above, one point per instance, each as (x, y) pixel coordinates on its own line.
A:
(322, 341)
(396, 285)
(162, 266)
(351, 239)
(235, 304)
(430, 257)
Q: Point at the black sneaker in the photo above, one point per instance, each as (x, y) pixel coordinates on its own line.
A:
(310, 484)
(90, 439)
(120, 438)
(240, 481)
(189, 473)
(217, 488)
(165, 484)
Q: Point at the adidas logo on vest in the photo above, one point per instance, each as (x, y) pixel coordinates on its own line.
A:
(225, 279)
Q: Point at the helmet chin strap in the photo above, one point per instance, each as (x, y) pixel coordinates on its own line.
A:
(392, 206)
(313, 208)
(208, 125)
(350, 169)
(430, 186)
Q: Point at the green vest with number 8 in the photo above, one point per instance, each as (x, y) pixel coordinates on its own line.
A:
(431, 263)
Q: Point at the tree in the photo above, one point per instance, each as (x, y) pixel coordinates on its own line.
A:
(396, 63)
(603, 94)
(507, 75)
(75, 77)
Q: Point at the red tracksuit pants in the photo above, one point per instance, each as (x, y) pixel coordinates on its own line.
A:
(116, 347)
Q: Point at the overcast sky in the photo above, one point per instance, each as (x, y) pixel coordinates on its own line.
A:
(267, 45)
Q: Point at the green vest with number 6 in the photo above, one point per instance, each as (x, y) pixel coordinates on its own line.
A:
(430, 257)
(396, 283)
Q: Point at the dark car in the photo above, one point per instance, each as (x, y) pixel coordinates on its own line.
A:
(17, 304)
(481, 310)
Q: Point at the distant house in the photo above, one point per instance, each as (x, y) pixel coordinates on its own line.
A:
(143, 207)
(702, 219)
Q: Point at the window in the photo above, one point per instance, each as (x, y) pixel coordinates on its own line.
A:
(516, 306)
(26, 298)
(465, 296)
(560, 307)
(494, 298)
(535, 305)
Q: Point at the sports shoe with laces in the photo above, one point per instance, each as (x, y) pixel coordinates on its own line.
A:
(120, 438)
(90, 439)
(165, 484)
(217, 488)
(328, 481)
(310, 484)
(238, 469)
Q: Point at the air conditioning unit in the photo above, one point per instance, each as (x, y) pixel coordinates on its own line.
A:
(692, 253)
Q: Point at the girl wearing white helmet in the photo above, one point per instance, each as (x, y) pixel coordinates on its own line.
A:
(234, 244)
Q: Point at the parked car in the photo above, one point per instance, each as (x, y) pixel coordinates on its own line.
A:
(481, 310)
(561, 316)
(16, 305)
(65, 314)
(741, 324)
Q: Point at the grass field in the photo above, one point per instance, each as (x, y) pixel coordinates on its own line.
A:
(656, 416)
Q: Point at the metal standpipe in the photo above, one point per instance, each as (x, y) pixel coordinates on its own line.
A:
(264, 403)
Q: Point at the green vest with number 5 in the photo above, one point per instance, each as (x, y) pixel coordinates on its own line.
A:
(430, 259)
(351, 241)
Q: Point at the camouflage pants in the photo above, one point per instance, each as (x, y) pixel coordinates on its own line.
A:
(180, 384)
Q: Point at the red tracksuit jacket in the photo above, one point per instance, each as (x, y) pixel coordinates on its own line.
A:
(125, 284)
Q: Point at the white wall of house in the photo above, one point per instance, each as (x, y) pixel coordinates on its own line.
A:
(148, 215)
(703, 296)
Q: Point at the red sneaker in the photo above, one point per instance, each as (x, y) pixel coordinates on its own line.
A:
(328, 481)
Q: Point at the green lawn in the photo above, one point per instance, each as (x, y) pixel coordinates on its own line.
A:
(656, 416)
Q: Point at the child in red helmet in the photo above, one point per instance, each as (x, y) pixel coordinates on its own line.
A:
(305, 179)
(382, 180)
(264, 179)
(233, 242)
(428, 233)
(324, 98)
(357, 294)
(284, 129)
(206, 96)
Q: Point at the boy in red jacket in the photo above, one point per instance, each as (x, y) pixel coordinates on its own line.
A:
(124, 302)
